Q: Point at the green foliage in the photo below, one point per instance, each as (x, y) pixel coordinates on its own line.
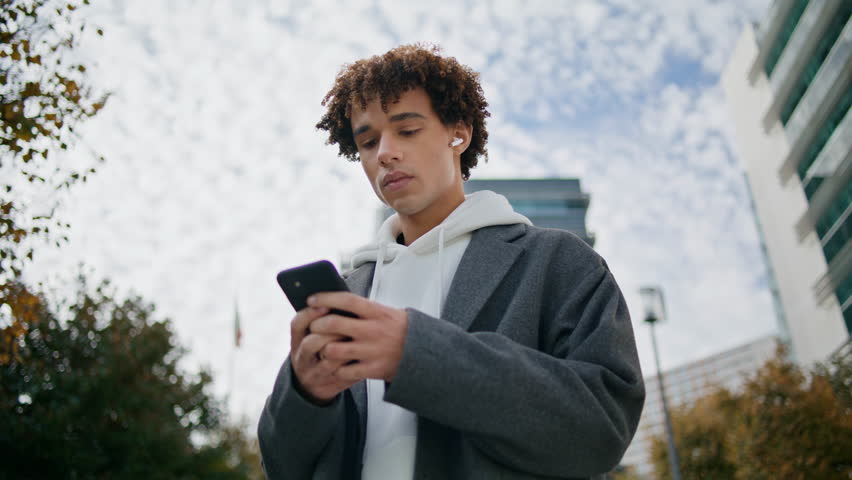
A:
(100, 395)
(44, 95)
(838, 372)
(785, 423)
(241, 452)
(793, 426)
(701, 437)
(90, 388)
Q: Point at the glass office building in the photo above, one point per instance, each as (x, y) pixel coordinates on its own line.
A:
(788, 86)
(549, 203)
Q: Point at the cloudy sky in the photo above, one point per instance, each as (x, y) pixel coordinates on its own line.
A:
(216, 179)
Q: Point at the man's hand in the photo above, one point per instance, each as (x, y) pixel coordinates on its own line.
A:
(314, 375)
(374, 341)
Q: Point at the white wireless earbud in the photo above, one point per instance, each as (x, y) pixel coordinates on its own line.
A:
(456, 142)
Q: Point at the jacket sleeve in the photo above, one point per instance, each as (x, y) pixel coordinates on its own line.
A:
(293, 432)
(568, 412)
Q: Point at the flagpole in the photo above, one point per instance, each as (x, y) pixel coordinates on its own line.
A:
(231, 378)
(234, 347)
(236, 341)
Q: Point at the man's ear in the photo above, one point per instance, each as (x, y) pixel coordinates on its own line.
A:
(461, 132)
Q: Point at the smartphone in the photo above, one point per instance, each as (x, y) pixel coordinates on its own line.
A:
(299, 283)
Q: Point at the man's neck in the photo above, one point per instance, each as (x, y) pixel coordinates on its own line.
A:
(416, 225)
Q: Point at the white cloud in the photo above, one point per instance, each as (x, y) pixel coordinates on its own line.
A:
(216, 177)
(589, 15)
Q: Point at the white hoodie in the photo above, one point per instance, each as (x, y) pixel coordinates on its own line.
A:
(417, 276)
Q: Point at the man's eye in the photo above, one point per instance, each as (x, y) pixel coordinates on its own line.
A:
(368, 144)
(408, 133)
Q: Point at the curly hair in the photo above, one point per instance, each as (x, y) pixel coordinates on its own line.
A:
(453, 89)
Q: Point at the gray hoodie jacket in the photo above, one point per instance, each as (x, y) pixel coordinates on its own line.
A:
(531, 372)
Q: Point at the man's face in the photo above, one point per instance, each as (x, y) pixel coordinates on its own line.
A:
(406, 154)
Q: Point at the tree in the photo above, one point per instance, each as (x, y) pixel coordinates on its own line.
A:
(785, 423)
(44, 95)
(99, 394)
(701, 437)
(89, 387)
(242, 451)
(793, 425)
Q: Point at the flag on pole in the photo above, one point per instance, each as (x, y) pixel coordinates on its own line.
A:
(238, 332)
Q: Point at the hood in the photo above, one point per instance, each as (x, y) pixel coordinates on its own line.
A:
(480, 209)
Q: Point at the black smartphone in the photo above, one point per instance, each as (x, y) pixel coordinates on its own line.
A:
(301, 282)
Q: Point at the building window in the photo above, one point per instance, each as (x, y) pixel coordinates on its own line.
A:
(546, 208)
(847, 317)
(784, 35)
(838, 239)
(838, 211)
(835, 118)
(834, 211)
(820, 53)
(844, 292)
(813, 185)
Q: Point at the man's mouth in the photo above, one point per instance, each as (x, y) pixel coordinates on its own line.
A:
(395, 181)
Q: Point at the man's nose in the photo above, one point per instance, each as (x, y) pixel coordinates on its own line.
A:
(388, 150)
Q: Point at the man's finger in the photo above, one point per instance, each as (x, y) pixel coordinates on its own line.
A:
(346, 301)
(345, 351)
(312, 343)
(299, 326)
(326, 367)
(353, 372)
(306, 361)
(339, 325)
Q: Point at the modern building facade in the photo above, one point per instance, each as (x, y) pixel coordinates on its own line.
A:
(688, 383)
(788, 85)
(548, 202)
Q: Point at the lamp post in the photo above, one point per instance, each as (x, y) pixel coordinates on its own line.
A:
(655, 311)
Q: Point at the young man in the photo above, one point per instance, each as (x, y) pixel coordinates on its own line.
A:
(485, 347)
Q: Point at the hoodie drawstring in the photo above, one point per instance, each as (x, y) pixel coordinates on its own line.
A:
(440, 270)
(380, 261)
(480, 209)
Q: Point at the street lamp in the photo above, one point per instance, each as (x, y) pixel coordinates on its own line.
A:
(655, 311)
